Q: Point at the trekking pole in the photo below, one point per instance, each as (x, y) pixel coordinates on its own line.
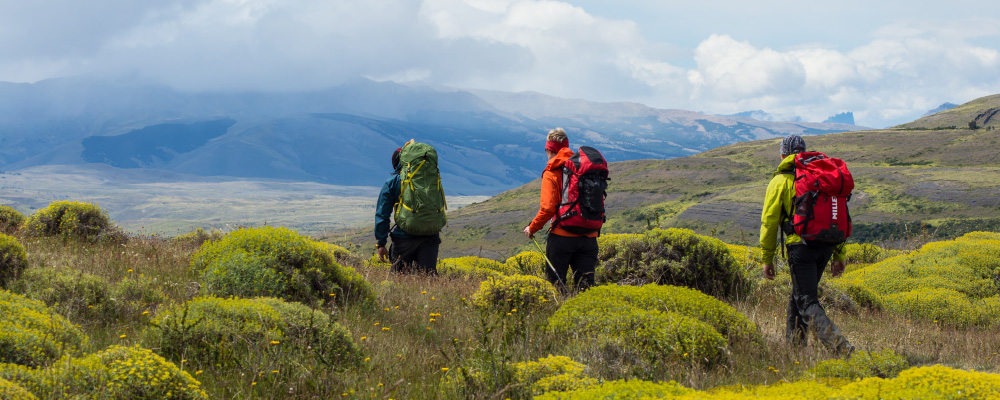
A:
(549, 263)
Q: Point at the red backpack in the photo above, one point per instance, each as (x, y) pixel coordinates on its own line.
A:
(823, 187)
(585, 184)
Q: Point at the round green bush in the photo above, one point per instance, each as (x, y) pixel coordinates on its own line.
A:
(671, 257)
(116, 373)
(32, 334)
(11, 220)
(954, 282)
(198, 237)
(552, 373)
(657, 322)
(518, 292)
(71, 219)
(862, 364)
(277, 262)
(527, 263)
(12, 391)
(471, 268)
(13, 260)
(631, 389)
(237, 332)
(77, 294)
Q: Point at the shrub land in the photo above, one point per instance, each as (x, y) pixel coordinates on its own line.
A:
(266, 313)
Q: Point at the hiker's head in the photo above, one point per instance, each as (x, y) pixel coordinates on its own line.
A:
(556, 141)
(792, 144)
(395, 158)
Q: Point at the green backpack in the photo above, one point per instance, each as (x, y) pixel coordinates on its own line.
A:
(421, 207)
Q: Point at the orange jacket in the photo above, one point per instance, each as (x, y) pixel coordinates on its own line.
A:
(548, 204)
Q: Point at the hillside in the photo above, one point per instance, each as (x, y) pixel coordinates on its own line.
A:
(905, 177)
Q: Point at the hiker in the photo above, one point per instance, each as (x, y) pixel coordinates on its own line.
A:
(806, 261)
(415, 248)
(567, 246)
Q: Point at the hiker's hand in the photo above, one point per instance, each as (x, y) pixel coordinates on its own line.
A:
(769, 272)
(383, 253)
(527, 232)
(837, 268)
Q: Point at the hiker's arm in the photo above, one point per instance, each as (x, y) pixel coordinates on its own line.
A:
(839, 263)
(770, 220)
(383, 211)
(548, 203)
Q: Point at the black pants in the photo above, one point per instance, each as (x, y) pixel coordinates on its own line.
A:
(415, 254)
(806, 264)
(577, 252)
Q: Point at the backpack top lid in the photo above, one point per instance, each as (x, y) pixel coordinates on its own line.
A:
(818, 172)
(586, 160)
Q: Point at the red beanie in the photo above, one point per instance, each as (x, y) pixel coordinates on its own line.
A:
(556, 146)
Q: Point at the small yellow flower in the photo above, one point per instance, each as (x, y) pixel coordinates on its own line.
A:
(432, 320)
(253, 383)
(130, 270)
(145, 313)
(385, 328)
(385, 309)
(275, 342)
(122, 336)
(514, 310)
(376, 324)
(432, 298)
(367, 359)
(198, 372)
(445, 369)
(183, 361)
(332, 294)
(364, 337)
(274, 372)
(397, 307)
(424, 292)
(380, 384)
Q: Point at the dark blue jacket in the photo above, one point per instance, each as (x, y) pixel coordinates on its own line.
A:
(387, 200)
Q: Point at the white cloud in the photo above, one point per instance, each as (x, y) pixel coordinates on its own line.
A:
(554, 47)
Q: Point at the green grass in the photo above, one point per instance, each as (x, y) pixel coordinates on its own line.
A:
(406, 353)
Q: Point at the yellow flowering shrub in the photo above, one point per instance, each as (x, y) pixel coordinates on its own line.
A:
(13, 259)
(118, 372)
(11, 220)
(552, 373)
(70, 219)
(933, 382)
(32, 334)
(278, 262)
(233, 331)
(862, 364)
(519, 292)
(527, 263)
(953, 282)
(671, 257)
(12, 391)
(471, 267)
(619, 390)
(658, 322)
(77, 294)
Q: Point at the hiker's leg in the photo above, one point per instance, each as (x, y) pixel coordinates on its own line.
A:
(584, 262)
(795, 326)
(558, 249)
(427, 254)
(402, 253)
(809, 263)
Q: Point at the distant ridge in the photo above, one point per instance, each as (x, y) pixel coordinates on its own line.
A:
(942, 107)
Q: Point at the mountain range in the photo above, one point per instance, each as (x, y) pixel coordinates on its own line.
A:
(488, 141)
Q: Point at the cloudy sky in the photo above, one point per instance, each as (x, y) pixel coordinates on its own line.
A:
(887, 61)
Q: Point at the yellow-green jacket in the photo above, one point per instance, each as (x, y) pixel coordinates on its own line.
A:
(778, 202)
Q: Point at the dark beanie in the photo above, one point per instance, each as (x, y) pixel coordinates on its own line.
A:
(793, 144)
(395, 158)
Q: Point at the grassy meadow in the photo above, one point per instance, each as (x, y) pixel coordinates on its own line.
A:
(420, 337)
